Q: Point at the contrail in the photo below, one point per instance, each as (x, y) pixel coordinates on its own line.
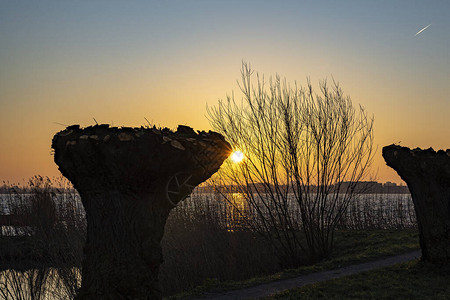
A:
(422, 29)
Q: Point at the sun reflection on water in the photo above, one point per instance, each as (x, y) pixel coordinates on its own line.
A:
(238, 211)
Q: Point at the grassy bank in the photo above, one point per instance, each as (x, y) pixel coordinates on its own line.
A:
(351, 247)
(412, 280)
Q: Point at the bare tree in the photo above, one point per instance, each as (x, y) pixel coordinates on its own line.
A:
(304, 155)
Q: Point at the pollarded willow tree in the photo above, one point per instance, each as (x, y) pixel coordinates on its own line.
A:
(305, 153)
(427, 174)
(129, 179)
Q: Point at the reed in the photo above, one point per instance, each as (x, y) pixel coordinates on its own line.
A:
(206, 239)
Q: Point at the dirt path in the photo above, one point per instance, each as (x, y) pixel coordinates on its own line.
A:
(275, 287)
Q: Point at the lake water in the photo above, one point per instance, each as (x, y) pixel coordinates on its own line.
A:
(364, 209)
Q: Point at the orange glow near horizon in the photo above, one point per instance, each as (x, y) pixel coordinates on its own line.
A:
(167, 62)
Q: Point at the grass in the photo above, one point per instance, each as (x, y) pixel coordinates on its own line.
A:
(411, 280)
(351, 247)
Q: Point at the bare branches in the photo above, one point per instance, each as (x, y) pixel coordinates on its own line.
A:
(305, 153)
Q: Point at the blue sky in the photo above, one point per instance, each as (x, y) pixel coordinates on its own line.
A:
(121, 61)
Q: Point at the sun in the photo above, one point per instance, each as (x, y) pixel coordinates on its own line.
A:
(237, 156)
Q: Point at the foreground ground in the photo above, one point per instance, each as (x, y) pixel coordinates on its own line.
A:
(269, 289)
(411, 280)
(352, 247)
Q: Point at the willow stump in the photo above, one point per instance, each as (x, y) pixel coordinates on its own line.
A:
(129, 179)
(427, 174)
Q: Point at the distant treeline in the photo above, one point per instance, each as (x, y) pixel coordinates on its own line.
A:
(5, 189)
(363, 187)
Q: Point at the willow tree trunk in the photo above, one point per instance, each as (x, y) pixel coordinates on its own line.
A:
(129, 179)
(427, 174)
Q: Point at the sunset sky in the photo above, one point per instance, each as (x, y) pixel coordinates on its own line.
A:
(67, 62)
